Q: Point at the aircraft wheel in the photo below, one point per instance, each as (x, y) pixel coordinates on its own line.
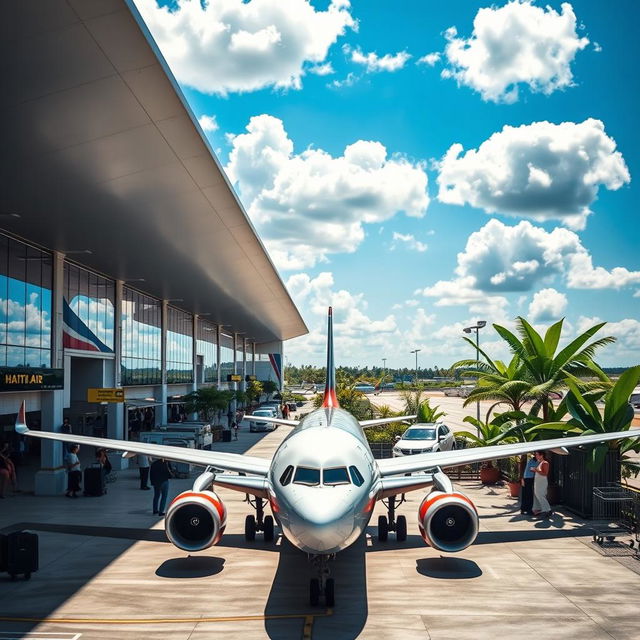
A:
(329, 593)
(314, 592)
(401, 529)
(267, 527)
(250, 528)
(383, 528)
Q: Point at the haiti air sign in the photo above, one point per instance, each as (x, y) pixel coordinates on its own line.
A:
(31, 379)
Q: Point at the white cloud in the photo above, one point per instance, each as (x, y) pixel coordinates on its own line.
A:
(499, 258)
(409, 241)
(596, 47)
(375, 63)
(518, 43)
(541, 171)
(235, 46)
(430, 59)
(325, 69)
(547, 305)
(312, 204)
(349, 81)
(208, 123)
(627, 334)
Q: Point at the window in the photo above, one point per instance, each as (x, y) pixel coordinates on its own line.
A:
(419, 434)
(208, 349)
(88, 310)
(285, 478)
(356, 476)
(308, 476)
(335, 475)
(141, 339)
(179, 346)
(25, 305)
(226, 356)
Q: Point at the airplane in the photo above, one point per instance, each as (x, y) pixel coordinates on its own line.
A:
(322, 485)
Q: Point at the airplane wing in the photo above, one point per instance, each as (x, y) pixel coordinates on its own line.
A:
(217, 459)
(458, 457)
(287, 423)
(372, 423)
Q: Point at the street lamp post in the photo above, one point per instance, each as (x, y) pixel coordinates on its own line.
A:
(480, 324)
(416, 352)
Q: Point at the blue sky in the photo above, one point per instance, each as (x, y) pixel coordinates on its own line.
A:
(409, 239)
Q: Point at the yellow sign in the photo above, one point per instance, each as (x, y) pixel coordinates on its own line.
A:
(232, 377)
(105, 395)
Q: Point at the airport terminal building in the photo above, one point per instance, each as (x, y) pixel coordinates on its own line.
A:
(126, 260)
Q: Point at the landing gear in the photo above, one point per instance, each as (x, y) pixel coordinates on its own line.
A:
(391, 523)
(259, 522)
(323, 584)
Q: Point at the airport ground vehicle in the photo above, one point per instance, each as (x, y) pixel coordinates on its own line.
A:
(255, 424)
(424, 438)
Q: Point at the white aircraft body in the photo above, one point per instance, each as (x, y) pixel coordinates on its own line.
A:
(322, 485)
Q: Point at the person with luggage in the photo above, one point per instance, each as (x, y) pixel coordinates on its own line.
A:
(74, 471)
(105, 464)
(526, 482)
(160, 473)
(5, 476)
(143, 470)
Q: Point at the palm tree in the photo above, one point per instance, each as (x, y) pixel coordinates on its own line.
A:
(427, 413)
(548, 371)
(412, 400)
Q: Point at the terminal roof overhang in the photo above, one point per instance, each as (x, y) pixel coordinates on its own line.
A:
(100, 152)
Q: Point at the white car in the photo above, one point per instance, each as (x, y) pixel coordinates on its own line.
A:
(424, 438)
(256, 425)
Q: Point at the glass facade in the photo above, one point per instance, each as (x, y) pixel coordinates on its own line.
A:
(239, 356)
(179, 346)
(25, 305)
(89, 303)
(206, 347)
(226, 356)
(141, 339)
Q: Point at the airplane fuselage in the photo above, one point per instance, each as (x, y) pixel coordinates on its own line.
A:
(322, 482)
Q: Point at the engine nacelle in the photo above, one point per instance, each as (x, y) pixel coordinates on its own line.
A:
(196, 520)
(448, 521)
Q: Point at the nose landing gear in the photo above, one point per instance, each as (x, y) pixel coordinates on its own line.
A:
(259, 522)
(323, 585)
(391, 523)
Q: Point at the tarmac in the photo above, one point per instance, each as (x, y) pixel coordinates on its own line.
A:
(108, 571)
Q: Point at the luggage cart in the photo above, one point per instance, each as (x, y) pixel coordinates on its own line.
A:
(614, 512)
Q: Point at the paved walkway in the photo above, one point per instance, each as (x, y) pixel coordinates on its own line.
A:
(107, 571)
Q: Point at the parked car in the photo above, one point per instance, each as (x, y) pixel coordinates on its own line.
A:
(364, 387)
(274, 405)
(424, 438)
(254, 420)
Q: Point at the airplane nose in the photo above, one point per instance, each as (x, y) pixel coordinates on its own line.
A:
(321, 527)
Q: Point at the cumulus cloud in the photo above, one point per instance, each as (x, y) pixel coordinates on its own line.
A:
(312, 204)
(208, 123)
(503, 258)
(374, 63)
(627, 334)
(541, 171)
(517, 44)
(407, 241)
(430, 59)
(237, 46)
(325, 69)
(547, 304)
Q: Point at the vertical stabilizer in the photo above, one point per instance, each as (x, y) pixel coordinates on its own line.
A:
(330, 400)
(21, 419)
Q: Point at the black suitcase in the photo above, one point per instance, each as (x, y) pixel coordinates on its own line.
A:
(94, 481)
(19, 553)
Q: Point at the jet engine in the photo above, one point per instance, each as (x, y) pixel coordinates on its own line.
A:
(448, 521)
(196, 520)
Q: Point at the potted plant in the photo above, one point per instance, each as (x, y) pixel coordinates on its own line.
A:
(512, 472)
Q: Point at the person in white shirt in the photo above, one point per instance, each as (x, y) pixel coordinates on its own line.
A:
(74, 471)
(143, 468)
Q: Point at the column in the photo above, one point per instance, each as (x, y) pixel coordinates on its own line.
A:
(194, 360)
(253, 359)
(218, 353)
(243, 384)
(51, 479)
(162, 418)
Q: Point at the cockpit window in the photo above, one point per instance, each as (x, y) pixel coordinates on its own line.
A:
(308, 476)
(356, 476)
(285, 478)
(335, 475)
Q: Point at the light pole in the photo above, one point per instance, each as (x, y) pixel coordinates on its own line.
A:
(480, 324)
(416, 352)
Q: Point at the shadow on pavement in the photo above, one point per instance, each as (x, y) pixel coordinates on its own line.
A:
(122, 533)
(190, 567)
(448, 568)
(290, 595)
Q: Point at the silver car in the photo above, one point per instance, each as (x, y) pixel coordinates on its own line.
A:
(254, 420)
(424, 438)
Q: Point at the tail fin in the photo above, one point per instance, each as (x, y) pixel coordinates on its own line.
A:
(330, 400)
(21, 419)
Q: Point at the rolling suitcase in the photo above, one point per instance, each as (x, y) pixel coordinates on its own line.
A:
(19, 553)
(94, 481)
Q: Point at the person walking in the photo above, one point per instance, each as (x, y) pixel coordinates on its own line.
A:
(160, 473)
(526, 494)
(74, 471)
(541, 505)
(143, 470)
